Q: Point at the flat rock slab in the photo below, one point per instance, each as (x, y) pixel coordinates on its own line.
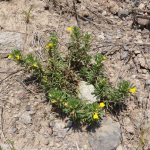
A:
(105, 137)
(85, 92)
(10, 41)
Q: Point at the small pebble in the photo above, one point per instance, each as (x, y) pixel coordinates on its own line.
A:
(50, 131)
(69, 124)
(14, 130)
(124, 54)
(46, 135)
(137, 52)
(46, 142)
(132, 66)
(144, 71)
(148, 82)
(126, 47)
(28, 108)
(137, 4)
(51, 144)
(16, 118)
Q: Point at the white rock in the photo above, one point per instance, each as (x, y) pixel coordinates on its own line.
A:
(10, 41)
(101, 36)
(85, 92)
(141, 6)
(26, 118)
(104, 13)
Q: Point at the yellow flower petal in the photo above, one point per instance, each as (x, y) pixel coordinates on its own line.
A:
(54, 101)
(101, 105)
(51, 44)
(95, 116)
(72, 112)
(35, 65)
(105, 58)
(69, 29)
(9, 56)
(66, 104)
(47, 47)
(50, 95)
(17, 56)
(133, 90)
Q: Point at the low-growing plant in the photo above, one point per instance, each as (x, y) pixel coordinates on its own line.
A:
(59, 79)
(28, 14)
(12, 143)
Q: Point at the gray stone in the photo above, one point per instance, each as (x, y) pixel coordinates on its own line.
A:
(141, 6)
(60, 125)
(17, 101)
(31, 112)
(4, 146)
(137, 52)
(46, 135)
(27, 107)
(104, 13)
(85, 23)
(14, 130)
(69, 124)
(26, 118)
(85, 92)
(23, 133)
(123, 13)
(8, 61)
(124, 54)
(16, 118)
(10, 41)
(132, 66)
(38, 124)
(51, 144)
(144, 71)
(19, 78)
(126, 47)
(130, 128)
(62, 133)
(148, 82)
(136, 61)
(106, 137)
(46, 142)
(101, 36)
(114, 8)
(142, 21)
(137, 4)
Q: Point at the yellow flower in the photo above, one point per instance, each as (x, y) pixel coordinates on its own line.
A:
(51, 44)
(9, 56)
(72, 112)
(69, 29)
(66, 104)
(103, 80)
(54, 101)
(27, 54)
(105, 58)
(47, 47)
(35, 65)
(133, 90)
(17, 56)
(50, 95)
(101, 105)
(95, 116)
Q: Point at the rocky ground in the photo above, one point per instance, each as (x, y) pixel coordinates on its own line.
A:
(120, 31)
